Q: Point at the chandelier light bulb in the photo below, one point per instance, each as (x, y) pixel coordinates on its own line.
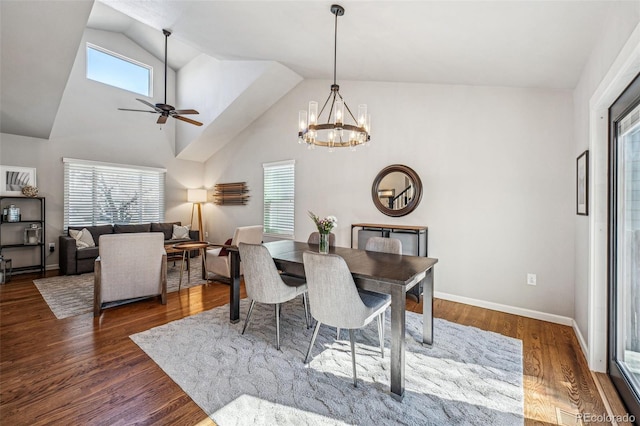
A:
(339, 113)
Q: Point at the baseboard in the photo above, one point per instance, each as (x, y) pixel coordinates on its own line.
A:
(581, 341)
(529, 313)
(52, 267)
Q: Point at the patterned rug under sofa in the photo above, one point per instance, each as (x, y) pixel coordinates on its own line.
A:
(71, 295)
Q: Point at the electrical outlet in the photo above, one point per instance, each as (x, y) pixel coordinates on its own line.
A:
(206, 234)
(531, 279)
(52, 247)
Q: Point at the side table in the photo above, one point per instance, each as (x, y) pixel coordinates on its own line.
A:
(186, 247)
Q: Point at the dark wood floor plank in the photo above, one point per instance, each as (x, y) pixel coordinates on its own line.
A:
(82, 370)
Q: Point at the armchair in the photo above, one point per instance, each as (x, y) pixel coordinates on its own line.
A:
(129, 267)
(218, 262)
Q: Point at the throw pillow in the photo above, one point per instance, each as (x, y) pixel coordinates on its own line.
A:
(180, 232)
(83, 238)
(224, 251)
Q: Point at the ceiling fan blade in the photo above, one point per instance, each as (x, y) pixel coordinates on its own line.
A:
(149, 104)
(162, 119)
(187, 120)
(186, 111)
(137, 110)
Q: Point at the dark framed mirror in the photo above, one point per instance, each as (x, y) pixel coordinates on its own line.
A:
(396, 190)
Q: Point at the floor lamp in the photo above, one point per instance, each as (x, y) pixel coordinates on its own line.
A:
(197, 197)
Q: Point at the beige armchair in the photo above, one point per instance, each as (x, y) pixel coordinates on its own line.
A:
(129, 267)
(219, 264)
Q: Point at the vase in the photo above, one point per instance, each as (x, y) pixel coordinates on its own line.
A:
(323, 244)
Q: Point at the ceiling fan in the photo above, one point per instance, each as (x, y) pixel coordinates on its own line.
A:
(164, 109)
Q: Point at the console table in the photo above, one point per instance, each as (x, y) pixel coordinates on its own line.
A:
(414, 238)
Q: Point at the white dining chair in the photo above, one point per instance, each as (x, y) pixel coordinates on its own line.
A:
(335, 300)
(264, 284)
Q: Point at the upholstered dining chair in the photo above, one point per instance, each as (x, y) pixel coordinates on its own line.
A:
(129, 267)
(335, 300)
(380, 244)
(264, 284)
(218, 261)
(314, 238)
(385, 245)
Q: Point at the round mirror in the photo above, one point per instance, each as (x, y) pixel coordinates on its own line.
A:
(397, 190)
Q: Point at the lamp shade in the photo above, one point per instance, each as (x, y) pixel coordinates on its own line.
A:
(197, 195)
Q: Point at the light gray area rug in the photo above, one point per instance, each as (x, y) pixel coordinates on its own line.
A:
(71, 295)
(468, 377)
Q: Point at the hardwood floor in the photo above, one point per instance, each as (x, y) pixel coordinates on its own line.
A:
(84, 371)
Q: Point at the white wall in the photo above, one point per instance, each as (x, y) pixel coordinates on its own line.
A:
(590, 296)
(89, 126)
(496, 165)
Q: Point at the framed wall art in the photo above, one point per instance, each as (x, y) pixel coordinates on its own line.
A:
(582, 184)
(13, 179)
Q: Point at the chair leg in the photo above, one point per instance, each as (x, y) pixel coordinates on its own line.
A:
(381, 332)
(306, 309)
(313, 340)
(277, 326)
(353, 357)
(246, 321)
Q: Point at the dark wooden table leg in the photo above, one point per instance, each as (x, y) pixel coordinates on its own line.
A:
(398, 307)
(203, 259)
(234, 288)
(427, 308)
(181, 269)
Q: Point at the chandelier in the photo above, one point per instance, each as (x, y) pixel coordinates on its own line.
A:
(336, 131)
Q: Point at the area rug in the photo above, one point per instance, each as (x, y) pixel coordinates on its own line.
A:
(468, 377)
(71, 295)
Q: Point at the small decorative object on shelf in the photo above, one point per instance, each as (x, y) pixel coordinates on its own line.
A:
(13, 213)
(29, 191)
(33, 235)
(231, 194)
(324, 229)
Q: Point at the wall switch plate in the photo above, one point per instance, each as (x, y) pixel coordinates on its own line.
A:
(531, 279)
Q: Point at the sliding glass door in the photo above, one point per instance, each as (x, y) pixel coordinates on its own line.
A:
(624, 246)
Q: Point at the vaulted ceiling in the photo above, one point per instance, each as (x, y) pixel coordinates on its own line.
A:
(540, 44)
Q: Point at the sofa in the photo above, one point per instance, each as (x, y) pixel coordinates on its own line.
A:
(80, 260)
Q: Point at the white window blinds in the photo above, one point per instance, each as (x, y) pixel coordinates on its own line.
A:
(101, 193)
(279, 197)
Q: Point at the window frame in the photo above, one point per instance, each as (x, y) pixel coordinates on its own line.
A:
(123, 58)
(141, 178)
(269, 226)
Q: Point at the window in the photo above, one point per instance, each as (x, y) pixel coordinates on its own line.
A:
(279, 196)
(118, 71)
(101, 193)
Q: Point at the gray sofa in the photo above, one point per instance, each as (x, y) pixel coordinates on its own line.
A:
(74, 260)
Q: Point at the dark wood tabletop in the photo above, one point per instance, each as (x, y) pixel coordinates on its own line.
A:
(400, 269)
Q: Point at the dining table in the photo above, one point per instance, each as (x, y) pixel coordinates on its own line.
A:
(375, 271)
